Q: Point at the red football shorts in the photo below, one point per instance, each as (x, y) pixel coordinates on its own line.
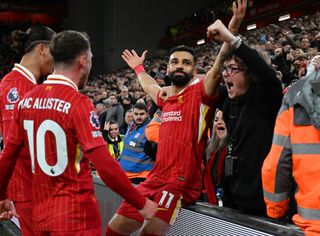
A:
(85, 232)
(169, 197)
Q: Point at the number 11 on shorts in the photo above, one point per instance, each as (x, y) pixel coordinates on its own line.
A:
(164, 197)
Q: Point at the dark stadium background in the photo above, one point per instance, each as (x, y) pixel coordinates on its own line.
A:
(114, 25)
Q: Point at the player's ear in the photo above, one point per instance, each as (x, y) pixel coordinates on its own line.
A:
(195, 71)
(41, 49)
(83, 60)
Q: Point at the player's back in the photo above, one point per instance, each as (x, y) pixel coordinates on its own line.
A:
(12, 88)
(62, 184)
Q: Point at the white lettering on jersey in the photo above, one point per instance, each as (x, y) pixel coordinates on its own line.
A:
(45, 104)
(171, 116)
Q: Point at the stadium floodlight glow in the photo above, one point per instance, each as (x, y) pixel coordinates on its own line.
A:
(201, 41)
(284, 17)
(251, 27)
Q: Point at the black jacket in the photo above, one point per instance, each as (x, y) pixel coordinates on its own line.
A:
(250, 121)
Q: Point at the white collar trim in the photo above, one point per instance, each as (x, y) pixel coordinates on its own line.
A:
(25, 72)
(60, 79)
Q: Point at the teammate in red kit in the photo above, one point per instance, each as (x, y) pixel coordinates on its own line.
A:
(61, 129)
(35, 64)
(176, 177)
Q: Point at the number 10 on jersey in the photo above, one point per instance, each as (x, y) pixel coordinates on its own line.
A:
(40, 147)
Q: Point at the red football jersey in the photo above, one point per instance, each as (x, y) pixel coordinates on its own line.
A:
(12, 88)
(182, 137)
(55, 120)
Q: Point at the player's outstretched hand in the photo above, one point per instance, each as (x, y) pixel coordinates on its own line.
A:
(132, 58)
(7, 210)
(219, 32)
(149, 209)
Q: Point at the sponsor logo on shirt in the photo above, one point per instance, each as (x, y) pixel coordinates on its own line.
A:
(171, 116)
(13, 95)
(94, 120)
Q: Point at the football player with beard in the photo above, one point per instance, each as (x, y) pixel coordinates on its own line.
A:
(176, 178)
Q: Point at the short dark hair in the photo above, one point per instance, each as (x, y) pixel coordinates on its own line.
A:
(230, 55)
(141, 106)
(183, 48)
(112, 122)
(128, 111)
(24, 42)
(67, 45)
(249, 75)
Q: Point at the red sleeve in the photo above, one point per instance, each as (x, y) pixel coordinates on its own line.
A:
(86, 124)
(7, 163)
(214, 100)
(13, 146)
(160, 101)
(114, 177)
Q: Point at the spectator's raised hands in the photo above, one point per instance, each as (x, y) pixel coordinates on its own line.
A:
(107, 126)
(239, 12)
(132, 58)
(219, 32)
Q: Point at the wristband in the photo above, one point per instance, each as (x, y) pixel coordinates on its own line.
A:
(138, 69)
(236, 42)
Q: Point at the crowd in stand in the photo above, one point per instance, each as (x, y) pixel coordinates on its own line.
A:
(288, 46)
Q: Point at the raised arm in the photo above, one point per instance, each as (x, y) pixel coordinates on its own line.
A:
(212, 78)
(148, 84)
(239, 12)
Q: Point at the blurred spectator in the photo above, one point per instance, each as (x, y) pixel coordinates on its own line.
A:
(133, 160)
(215, 157)
(115, 112)
(113, 138)
(124, 93)
(102, 113)
(128, 118)
(316, 42)
(126, 104)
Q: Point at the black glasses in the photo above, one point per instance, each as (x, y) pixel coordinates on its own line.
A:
(230, 70)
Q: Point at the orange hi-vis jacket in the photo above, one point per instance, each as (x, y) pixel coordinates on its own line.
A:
(152, 130)
(295, 154)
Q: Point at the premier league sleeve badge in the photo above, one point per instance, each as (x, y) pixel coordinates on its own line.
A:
(13, 95)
